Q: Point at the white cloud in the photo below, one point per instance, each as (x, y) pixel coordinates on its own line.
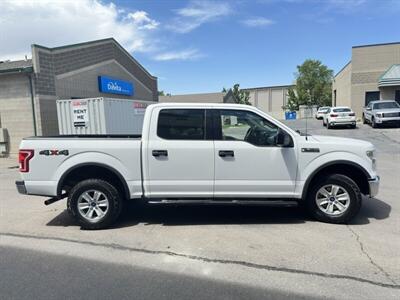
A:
(54, 23)
(188, 54)
(257, 22)
(198, 13)
(142, 20)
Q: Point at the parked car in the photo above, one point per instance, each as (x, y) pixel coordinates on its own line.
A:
(339, 116)
(319, 115)
(200, 153)
(382, 112)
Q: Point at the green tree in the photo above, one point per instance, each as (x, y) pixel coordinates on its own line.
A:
(313, 85)
(162, 93)
(239, 96)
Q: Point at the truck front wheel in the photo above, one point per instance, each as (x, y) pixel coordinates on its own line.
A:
(334, 199)
(373, 123)
(94, 203)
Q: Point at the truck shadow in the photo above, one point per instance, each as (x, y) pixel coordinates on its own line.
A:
(372, 208)
(186, 215)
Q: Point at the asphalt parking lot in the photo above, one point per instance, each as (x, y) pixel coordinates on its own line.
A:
(225, 252)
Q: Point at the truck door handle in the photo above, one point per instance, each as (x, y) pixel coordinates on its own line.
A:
(157, 153)
(225, 153)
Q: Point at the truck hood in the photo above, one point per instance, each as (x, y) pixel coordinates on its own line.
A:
(340, 141)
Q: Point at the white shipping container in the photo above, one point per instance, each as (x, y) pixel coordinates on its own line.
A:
(101, 116)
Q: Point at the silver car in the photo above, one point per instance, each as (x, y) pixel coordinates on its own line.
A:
(382, 112)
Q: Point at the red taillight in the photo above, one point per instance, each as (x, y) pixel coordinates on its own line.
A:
(334, 115)
(352, 114)
(24, 157)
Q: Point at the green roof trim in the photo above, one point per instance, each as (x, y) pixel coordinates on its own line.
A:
(391, 76)
(18, 70)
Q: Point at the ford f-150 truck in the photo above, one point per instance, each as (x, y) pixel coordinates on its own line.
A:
(200, 153)
(382, 112)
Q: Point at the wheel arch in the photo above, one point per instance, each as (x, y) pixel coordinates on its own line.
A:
(348, 168)
(93, 170)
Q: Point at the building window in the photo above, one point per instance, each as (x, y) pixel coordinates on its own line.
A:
(371, 96)
(397, 96)
(334, 98)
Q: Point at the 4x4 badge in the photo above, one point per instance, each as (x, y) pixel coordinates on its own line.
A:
(54, 152)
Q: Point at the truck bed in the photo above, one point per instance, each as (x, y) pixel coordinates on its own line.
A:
(54, 156)
(88, 136)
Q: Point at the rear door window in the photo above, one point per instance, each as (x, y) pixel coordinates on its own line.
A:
(182, 124)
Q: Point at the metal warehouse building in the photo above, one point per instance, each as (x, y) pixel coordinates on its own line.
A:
(29, 88)
(269, 99)
(372, 74)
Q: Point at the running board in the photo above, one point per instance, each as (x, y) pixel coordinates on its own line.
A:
(284, 203)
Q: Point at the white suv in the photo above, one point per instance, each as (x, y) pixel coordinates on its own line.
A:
(319, 115)
(339, 116)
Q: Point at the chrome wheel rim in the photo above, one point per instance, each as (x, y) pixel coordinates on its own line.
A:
(332, 199)
(93, 205)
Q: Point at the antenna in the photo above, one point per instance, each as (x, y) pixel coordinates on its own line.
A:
(307, 112)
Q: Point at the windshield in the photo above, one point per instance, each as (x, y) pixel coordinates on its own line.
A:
(342, 109)
(385, 105)
(323, 109)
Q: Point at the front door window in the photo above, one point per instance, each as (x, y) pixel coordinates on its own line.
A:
(246, 126)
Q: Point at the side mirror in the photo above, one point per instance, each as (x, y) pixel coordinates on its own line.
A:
(368, 108)
(283, 139)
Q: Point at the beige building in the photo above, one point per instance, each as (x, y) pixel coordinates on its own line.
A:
(269, 99)
(372, 74)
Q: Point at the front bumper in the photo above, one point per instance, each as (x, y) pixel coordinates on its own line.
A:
(21, 187)
(393, 120)
(373, 186)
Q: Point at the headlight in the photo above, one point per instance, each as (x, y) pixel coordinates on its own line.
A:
(379, 115)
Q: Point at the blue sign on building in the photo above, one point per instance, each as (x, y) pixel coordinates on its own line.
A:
(110, 85)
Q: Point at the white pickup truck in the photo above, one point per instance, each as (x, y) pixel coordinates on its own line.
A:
(200, 153)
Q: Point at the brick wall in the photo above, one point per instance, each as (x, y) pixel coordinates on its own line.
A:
(72, 71)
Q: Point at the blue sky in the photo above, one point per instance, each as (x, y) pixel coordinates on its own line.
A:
(202, 46)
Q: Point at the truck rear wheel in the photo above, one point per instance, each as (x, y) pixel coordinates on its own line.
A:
(94, 203)
(334, 199)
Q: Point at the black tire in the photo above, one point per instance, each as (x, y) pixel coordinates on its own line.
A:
(373, 124)
(323, 123)
(328, 126)
(115, 202)
(353, 126)
(363, 119)
(350, 187)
